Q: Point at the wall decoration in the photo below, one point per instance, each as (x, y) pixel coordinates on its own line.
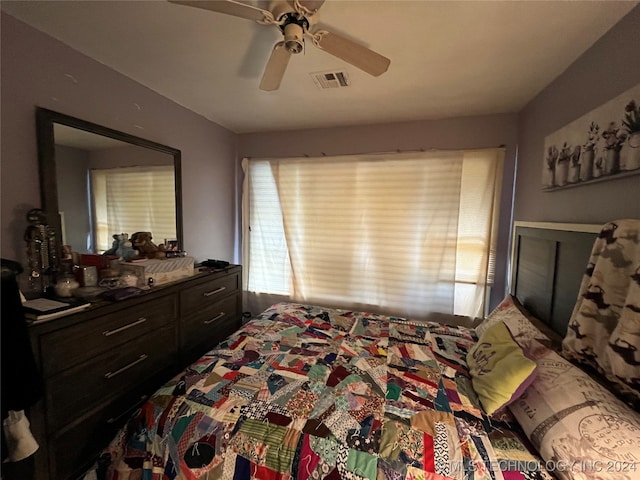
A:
(603, 144)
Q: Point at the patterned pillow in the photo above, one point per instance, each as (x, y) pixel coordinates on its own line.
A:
(520, 323)
(500, 371)
(579, 428)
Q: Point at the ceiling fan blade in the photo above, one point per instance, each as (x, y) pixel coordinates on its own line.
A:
(229, 7)
(276, 67)
(361, 57)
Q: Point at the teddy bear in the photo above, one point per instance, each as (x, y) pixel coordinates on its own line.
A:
(122, 247)
(114, 246)
(142, 241)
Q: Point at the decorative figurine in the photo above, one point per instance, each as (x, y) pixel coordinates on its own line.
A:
(41, 248)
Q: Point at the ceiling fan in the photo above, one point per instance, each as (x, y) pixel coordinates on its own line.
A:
(295, 18)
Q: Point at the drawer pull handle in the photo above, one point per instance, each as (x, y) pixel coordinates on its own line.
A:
(213, 292)
(108, 333)
(113, 420)
(220, 315)
(126, 367)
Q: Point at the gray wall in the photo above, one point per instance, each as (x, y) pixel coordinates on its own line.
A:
(605, 71)
(458, 133)
(38, 70)
(71, 174)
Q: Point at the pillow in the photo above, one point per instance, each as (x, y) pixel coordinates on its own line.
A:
(550, 338)
(523, 325)
(500, 371)
(575, 422)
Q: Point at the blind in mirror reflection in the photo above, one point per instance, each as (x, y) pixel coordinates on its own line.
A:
(133, 199)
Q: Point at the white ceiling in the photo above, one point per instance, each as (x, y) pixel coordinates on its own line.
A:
(76, 138)
(448, 58)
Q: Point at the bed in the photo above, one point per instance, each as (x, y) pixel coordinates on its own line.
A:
(310, 392)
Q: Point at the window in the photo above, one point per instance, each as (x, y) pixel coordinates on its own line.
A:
(117, 195)
(403, 233)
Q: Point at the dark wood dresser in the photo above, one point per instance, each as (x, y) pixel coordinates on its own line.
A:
(99, 365)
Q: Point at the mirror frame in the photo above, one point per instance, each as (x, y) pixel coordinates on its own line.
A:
(45, 120)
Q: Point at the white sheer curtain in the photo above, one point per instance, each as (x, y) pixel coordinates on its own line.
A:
(477, 230)
(373, 232)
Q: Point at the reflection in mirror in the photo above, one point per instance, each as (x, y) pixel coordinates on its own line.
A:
(103, 182)
(106, 186)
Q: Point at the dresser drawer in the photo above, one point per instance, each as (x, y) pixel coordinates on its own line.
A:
(197, 297)
(81, 342)
(75, 448)
(81, 388)
(212, 324)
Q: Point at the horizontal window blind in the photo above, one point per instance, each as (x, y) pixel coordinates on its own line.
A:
(133, 199)
(386, 232)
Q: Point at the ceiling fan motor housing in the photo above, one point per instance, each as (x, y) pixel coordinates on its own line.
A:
(293, 29)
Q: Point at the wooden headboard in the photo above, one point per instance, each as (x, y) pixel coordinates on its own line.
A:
(547, 264)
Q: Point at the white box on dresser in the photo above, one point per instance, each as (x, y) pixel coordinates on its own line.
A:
(161, 271)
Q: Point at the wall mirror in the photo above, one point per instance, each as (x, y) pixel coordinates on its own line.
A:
(97, 182)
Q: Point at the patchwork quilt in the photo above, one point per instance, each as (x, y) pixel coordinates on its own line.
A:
(305, 392)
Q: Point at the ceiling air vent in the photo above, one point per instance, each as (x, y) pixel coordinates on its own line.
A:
(333, 79)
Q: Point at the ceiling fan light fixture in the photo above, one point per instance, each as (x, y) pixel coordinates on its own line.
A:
(294, 18)
(293, 40)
